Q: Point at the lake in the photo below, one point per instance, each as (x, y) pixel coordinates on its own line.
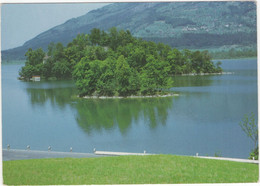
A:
(203, 119)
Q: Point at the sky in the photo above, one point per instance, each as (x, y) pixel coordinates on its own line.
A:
(22, 22)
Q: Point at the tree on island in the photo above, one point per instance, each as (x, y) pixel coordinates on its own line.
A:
(116, 63)
(33, 64)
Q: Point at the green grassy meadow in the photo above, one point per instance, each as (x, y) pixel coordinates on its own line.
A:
(155, 169)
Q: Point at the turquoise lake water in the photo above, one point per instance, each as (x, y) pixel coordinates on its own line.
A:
(203, 119)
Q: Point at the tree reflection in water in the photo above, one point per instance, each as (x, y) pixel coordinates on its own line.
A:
(95, 115)
(60, 97)
(110, 113)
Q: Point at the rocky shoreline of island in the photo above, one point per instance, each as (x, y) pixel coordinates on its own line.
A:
(121, 97)
(207, 74)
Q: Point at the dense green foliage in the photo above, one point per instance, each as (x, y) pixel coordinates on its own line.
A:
(155, 169)
(116, 63)
(191, 25)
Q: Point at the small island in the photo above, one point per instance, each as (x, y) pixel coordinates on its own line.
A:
(116, 64)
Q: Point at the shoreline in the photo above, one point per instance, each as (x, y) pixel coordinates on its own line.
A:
(121, 97)
(207, 74)
(19, 154)
(253, 57)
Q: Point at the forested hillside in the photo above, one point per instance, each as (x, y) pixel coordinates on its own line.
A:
(190, 25)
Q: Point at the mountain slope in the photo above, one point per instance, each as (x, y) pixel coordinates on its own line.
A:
(179, 24)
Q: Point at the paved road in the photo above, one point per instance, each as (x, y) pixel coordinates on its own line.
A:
(33, 154)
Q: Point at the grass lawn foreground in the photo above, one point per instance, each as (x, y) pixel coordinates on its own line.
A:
(154, 169)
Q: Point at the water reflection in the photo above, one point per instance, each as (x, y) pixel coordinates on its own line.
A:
(95, 115)
(56, 96)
